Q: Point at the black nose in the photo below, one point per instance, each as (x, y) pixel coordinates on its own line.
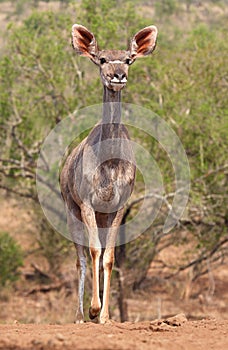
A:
(120, 76)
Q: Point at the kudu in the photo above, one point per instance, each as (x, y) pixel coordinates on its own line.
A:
(96, 180)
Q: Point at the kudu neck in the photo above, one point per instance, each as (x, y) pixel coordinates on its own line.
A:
(111, 106)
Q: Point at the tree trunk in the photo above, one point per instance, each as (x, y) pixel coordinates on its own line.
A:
(120, 253)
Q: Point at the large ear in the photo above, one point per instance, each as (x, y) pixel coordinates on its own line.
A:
(144, 42)
(84, 42)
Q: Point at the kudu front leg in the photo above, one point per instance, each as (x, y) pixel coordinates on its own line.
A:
(113, 223)
(108, 261)
(95, 307)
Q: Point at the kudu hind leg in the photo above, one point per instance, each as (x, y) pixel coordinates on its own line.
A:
(76, 230)
(89, 219)
(81, 268)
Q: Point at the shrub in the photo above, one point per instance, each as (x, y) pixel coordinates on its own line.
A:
(11, 258)
(165, 7)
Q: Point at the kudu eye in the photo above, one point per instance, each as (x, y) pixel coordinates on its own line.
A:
(102, 60)
(128, 61)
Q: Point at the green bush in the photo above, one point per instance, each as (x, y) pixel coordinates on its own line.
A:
(165, 7)
(11, 258)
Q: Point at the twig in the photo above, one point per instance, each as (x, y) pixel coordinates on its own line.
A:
(42, 273)
(21, 194)
(45, 289)
(204, 256)
(211, 172)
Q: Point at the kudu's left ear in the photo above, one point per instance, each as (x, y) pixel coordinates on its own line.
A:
(84, 42)
(144, 42)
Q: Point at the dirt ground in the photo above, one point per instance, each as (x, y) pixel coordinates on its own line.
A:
(204, 335)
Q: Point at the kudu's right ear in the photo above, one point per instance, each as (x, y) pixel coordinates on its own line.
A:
(84, 42)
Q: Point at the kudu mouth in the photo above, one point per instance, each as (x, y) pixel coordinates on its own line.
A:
(119, 81)
(117, 84)
(114, 81)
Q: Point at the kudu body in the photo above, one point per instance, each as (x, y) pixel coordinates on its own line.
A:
(96, 180)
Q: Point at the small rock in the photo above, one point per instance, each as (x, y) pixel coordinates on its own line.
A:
(167, 324)
(36, 342)
(176, 321)
(60, 337)
(160, 327)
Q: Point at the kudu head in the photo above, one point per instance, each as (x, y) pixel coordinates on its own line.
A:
(113, 64)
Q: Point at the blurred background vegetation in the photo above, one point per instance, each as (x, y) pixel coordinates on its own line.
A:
(185, 82)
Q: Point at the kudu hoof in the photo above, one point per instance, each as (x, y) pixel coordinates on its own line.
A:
(93, 315)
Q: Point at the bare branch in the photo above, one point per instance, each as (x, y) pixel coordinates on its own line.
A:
(14, 125)
(203, 257)
(21, 194)
(212, 172)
